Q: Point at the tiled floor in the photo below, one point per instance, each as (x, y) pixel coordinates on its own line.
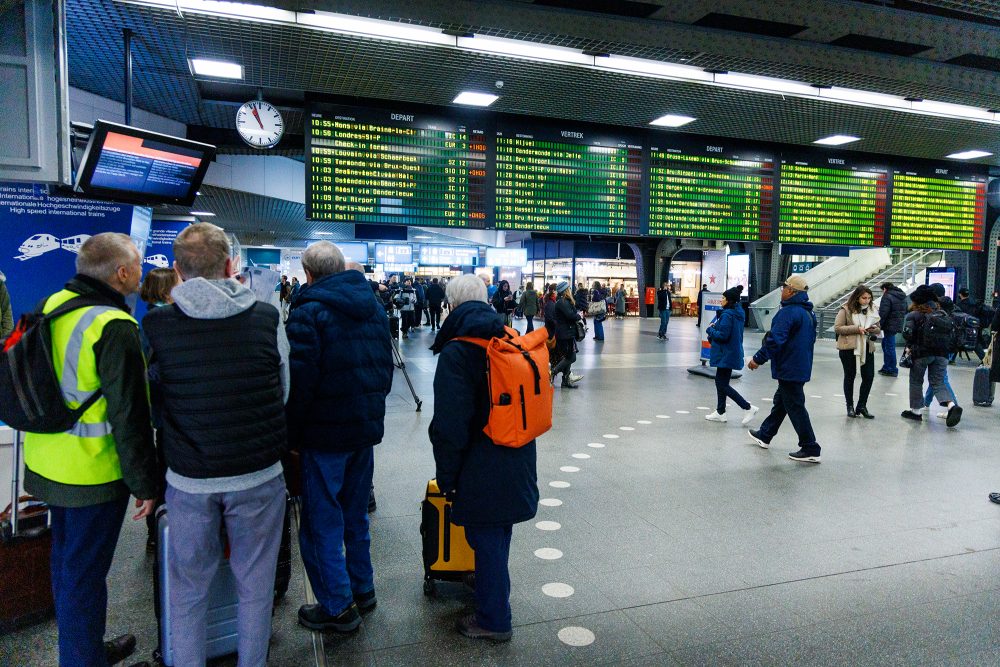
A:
(683, 543)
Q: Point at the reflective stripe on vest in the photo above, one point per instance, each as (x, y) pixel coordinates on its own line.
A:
(86, 454)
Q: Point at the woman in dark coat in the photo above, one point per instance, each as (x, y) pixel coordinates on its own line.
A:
(493, 487)
(504, 303)
(598, 293)
(566, 317)
(725, 333)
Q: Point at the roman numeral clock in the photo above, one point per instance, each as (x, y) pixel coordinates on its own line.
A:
(260, 124)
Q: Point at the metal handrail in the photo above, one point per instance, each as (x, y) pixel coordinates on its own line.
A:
(907, 268)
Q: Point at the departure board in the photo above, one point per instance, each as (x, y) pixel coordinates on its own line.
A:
(551, 179)
(832, 200)
(938, 208)
(383, 166)
(710, 190)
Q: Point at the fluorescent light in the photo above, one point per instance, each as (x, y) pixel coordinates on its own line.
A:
(837, 140)
(475, 99)
(323, 233)
(404, 32)
(968, 155)
(863, 97)
(204, 214)
(653, 68)
(955, 110)
(216, 68)
(522, 49)
(765, 84)
(672, 120)
(422, 236)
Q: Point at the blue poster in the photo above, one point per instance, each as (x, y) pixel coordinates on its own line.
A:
(159, 252)
(41, 234)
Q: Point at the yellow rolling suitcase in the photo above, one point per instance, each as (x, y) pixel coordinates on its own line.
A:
(447, 554)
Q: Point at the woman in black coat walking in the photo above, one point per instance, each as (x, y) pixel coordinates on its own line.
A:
(566, 317)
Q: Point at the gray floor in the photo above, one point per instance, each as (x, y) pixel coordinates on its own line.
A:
(683, 543)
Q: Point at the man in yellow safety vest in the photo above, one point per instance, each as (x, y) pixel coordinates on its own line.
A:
(87, 473)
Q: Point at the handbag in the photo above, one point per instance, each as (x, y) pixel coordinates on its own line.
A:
(906, 361)
(988, 357)
(580, 331)
(597, 308)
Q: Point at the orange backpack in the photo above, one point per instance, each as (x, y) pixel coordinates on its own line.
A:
(517, 370)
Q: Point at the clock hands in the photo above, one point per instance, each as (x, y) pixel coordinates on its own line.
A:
(257, 116)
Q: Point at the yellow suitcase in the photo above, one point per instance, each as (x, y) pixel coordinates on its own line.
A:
(447, 554)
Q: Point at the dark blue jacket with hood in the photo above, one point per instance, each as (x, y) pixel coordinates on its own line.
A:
(726, 336)
(789, 343)
(493, 485)
(341, 365)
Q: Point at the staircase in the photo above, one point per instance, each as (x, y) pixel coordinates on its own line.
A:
(903, 273)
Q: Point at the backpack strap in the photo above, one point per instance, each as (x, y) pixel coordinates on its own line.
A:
(76, 303)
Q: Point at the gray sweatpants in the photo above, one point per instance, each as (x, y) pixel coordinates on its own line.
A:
(935, 367)
(254, 520)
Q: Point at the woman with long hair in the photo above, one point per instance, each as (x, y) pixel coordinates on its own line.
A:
(566, 317)
(857, 328)
(598, 293)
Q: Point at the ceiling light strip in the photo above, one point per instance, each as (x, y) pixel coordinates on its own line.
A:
(409, 33)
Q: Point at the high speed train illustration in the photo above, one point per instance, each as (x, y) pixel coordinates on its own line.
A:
(39, 244)
(159, 261)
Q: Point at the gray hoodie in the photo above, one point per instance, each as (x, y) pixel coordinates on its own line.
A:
(203, 299)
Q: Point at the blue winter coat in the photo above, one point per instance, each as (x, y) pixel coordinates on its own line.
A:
(789, 343)
(493, 485)
(341, 365)
(726, 336)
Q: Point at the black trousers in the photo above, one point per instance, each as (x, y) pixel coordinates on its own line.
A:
(849, 361)
(725, 390)
(435, 312)
(790, 401)
(407, 321)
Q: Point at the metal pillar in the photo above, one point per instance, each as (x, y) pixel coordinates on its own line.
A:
(127, 35)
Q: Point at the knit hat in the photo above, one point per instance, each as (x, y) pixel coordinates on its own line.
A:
(923, 294)
(938, 289)
(562, 287)
(733, 294)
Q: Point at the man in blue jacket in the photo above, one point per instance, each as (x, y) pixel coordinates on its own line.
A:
(341, 368)
(789, 348)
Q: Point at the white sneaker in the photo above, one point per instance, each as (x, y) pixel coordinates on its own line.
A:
(942, 415)
(716, 417)
(748, 415)
(574, 378)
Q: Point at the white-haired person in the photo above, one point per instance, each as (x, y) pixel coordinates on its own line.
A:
(492, 487)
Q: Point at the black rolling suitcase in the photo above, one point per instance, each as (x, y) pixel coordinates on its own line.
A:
(982, 389)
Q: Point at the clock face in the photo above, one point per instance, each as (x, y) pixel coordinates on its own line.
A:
(260, 124)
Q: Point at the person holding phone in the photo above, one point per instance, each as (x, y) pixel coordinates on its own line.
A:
(857, 328)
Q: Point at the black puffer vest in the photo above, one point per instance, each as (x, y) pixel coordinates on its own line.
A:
(223, 403)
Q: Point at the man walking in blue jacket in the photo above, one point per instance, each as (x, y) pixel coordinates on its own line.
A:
(789, 348)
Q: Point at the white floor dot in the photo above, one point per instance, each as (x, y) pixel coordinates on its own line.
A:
(626, 428)
(838, 395)
(644, 421)
(814, 396)
(559, 485)
(890, 394)
(683, 412)
(767, 399)
(596, 445)
(548, 525)
(548, 553)
(663, 416)
(550, 502)
(701, 407)
(569, 469)
(610, 436)
(557, 590)
(581, 455)
(576, 636)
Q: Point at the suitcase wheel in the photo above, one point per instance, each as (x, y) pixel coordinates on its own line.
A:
(430, 587)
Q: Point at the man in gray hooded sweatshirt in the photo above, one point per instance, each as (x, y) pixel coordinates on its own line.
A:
(220, 361)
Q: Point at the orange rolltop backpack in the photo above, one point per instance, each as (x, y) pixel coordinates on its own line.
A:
(517, 371)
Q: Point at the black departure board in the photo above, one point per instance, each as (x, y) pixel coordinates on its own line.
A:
(710, 190)
(551, 179)
(832, 200)
(381, 166)
(939, 207)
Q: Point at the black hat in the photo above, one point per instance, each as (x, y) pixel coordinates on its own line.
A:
(938, 289)
(964, 291)
(733, 294)
(923, 294)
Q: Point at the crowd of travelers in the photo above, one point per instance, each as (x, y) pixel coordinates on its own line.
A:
(219, 404)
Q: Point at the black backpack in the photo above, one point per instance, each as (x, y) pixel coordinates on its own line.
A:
(938, 333)
(967, 331)
(32, 398)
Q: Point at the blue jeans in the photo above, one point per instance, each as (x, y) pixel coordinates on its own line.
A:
(889, 354)
(492, 547)
(530, 326)
(598, 328)
(664, 321)
(334, 538)
(83, 545)
(790, 401)
(929, 394)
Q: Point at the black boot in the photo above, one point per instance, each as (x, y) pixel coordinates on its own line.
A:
(850, 411)
(863, 411)
(119, 648)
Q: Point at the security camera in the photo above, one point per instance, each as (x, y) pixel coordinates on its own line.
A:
(499, 84)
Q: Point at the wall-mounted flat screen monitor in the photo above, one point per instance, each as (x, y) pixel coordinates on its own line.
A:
(449, 255)
(506, 256)
(393, 253)
(130, 164)
(354, 252)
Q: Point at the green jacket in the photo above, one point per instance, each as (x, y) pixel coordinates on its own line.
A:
(6, 314)
(529, 303)
(122, 369)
